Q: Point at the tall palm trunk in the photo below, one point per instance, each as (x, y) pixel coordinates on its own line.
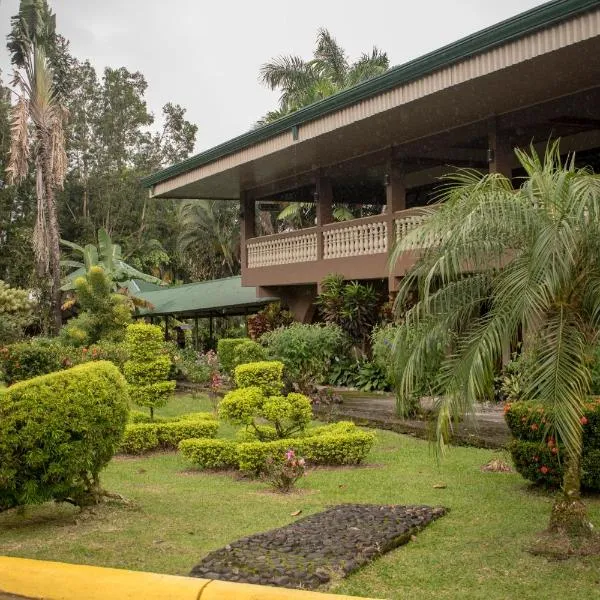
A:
(569, 513)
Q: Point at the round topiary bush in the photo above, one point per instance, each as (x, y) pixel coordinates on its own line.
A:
(58, 431)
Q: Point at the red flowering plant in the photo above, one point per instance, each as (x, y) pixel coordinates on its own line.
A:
(282, 473)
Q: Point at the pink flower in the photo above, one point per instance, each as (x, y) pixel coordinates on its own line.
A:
(289, 455)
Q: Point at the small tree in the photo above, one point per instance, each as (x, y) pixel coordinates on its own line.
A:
(147, 369)
(104, 315)
(497, 263)
(258, 400)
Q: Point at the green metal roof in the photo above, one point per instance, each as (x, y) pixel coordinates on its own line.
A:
(216, 297)
(518, 26)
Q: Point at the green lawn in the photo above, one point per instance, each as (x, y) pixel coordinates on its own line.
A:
(178, 515)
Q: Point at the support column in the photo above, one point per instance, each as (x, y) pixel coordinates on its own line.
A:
(324, 206)
(247, 226)
(500, 152)
(500, 155)
(395, 196)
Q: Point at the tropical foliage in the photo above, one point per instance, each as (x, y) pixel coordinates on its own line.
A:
(106, 255)
(497, 261)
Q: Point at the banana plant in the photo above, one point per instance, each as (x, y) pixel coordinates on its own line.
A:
(106, 255)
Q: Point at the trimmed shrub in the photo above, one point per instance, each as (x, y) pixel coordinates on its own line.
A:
(326, 449)
(225, 352)
(537, 457)
(285, 415)
(307, 351)
(139, 438)
(252, 456)
(248, 352)
(170, 434)
(137, 416)
(143, 437)
(239, 407)
(338, 448)
(58, 431)
(267, 375)
(334, 428)
(210, 454)
(148, 366)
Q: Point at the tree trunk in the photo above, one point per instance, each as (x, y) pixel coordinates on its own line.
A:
(54, 251)
(569, 514)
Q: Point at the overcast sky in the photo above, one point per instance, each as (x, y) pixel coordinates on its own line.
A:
(206, 55)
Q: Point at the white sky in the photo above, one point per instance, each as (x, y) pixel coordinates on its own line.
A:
(205, 55)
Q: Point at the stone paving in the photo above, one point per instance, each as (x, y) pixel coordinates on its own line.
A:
(313, 550)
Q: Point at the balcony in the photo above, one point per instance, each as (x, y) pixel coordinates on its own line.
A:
(358, 249)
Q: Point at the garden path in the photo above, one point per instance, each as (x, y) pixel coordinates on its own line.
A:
(487, 428)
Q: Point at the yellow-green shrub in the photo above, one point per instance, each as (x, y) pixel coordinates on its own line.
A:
(170, 434)
(267, 375)
(338, 449)
(333, 428)
(240, 406)
(58, 431)
(287, 415)
(139, 438)
(148, 366)
(144, 437)
(225, 351)
(325, 449)
(210, 454)
(248, 352)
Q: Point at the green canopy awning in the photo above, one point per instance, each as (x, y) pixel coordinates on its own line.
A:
(219, 297)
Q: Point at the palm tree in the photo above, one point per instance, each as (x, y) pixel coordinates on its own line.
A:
(37, 133)
(496, 264)
(304, 82)
(211, 229)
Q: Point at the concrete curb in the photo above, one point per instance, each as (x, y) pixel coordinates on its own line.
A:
(37, 579)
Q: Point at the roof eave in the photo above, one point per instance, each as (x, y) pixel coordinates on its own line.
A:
(522, 24)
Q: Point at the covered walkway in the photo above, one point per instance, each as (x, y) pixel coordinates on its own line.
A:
(204, 300)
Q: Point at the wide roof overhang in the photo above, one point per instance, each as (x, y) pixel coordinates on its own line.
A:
(543, 54)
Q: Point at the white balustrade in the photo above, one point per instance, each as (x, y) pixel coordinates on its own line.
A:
(405, 225)
(355, 240)
(267, 252)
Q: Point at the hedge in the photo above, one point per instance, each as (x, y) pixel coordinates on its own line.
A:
(144, 437)
(226, 352)
(266, 374)
(58, 431)
(210, 454)
(538, 458)
(326, 449)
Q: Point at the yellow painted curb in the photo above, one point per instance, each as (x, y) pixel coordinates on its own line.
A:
(60, 581)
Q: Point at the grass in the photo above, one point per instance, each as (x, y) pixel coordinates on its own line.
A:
(178, 515)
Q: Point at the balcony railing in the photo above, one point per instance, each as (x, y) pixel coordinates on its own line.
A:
(359, 237)
(282, 248)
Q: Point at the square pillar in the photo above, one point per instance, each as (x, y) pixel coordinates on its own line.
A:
(324, 209)
(395, 196)
(500, 152)
(247, 225)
